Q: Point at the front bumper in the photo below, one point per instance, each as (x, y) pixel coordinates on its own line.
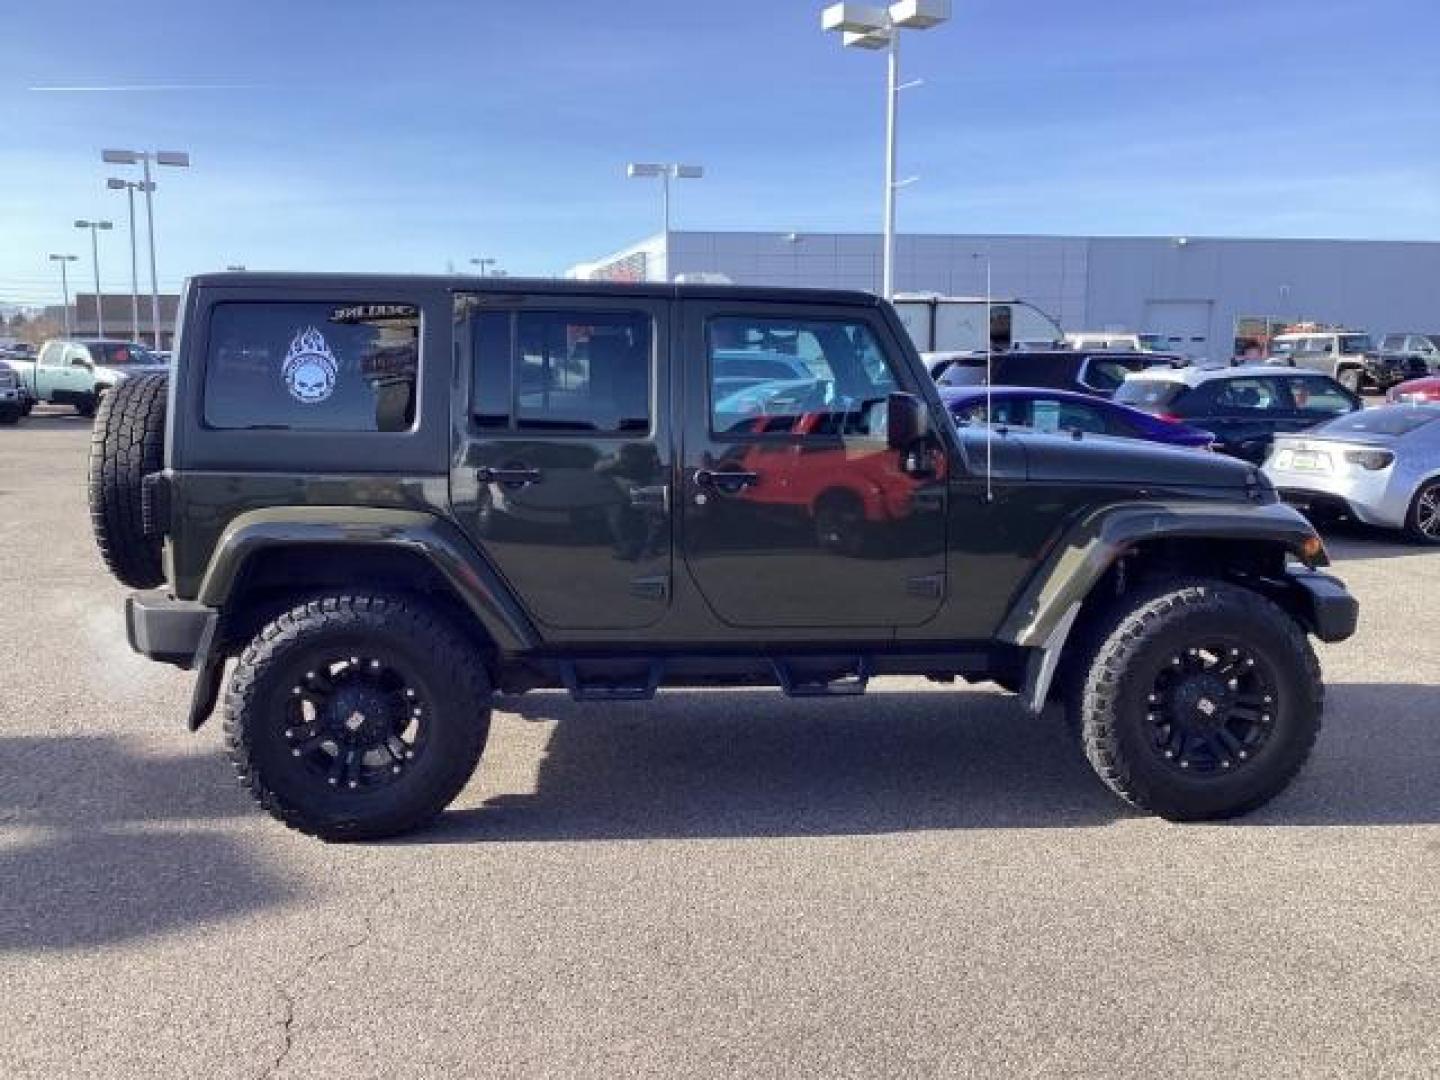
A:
(168, 630)
(1327, 607)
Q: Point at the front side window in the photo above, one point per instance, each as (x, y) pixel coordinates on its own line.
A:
(1247, 395)
(837, 380)
(312, 366)
(581, 371)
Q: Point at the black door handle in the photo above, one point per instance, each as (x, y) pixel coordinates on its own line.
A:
(488, 474)
(727, 481)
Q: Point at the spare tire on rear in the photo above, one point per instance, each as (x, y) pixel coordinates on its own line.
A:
(128, 444)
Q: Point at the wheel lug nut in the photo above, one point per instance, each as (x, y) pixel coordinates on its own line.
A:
(1234, 684)
(1184, 764)
(396, 769)
(1225, 764)
(374, 665)
(409, 754)
(1169, 753)
(409, 691)
(353, 784)
(1244, 754)
(289, 733)
(295, 752)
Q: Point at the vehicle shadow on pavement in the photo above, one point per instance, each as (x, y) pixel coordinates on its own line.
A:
(83, 864)
(752, 763)
(1377, 761)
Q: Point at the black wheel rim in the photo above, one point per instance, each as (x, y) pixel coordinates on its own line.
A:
(1212, 708)
(356, 723)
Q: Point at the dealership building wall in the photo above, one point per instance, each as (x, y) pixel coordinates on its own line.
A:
(1193, 289)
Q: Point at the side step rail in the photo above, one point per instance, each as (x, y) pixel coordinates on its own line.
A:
(600, 691)
(797, 683)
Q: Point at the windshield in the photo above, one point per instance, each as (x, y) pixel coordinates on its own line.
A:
(1396, 422)
(118, 354)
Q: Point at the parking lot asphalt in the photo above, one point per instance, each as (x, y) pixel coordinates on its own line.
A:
(922, 881)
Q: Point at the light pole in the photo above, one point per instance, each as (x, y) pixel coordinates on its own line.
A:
(64, 287)
(95, 228)
(482, 264)
(177, 158)
(639, 170)
(866, 27)
(130, 187)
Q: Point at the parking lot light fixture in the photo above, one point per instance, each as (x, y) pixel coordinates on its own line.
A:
(96, 227)
(483, 264)
(130, 187)
(666, 171)
(64, 286)
(143, 158)
(862, 26)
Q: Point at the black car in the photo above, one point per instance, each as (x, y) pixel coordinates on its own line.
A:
(1246, 407)
(1098, 374)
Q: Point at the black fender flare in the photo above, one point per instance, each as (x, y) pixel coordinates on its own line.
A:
(441, 543)
(1041, 617)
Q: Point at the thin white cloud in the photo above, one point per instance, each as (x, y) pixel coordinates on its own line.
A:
(141, 88)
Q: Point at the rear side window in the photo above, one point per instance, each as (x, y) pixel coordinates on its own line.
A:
(1320, 396)
(313, 366)
(578, 371)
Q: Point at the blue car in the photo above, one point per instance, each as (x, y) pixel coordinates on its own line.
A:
(1039, 409)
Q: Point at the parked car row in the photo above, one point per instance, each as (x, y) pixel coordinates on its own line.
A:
(1322, 449)
(74, 372)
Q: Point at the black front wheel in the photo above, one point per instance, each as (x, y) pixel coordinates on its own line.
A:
(357, 716)
(1198, 700)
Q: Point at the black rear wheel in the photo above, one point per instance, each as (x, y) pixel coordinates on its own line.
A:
(1198, 700)
(357, 716)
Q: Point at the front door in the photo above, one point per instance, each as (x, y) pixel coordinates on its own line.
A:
(562, 467)
(794, 511)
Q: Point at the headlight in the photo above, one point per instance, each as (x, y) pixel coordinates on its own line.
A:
(1374, 460)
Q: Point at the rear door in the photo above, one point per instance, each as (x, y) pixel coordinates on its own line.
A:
(562, 468)
(794, 512)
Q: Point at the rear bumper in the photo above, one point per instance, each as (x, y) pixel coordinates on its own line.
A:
(168, 630)
(1329, 610)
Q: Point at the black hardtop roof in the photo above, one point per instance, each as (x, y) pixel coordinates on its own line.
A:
(548, 286)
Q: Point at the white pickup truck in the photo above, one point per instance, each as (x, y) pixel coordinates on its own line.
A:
(77, 372)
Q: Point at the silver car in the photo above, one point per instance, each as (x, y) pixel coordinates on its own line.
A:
(1380, 466)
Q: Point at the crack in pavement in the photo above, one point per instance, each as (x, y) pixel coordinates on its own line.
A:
(285, 990)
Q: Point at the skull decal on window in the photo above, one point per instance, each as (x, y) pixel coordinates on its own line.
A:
(310, 368)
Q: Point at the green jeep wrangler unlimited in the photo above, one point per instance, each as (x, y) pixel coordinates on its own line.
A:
(388, 498)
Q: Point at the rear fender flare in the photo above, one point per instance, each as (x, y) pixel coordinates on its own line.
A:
(482, 591)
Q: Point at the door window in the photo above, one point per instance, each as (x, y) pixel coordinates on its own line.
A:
(52, 354)
(836, 379)
(1248, 395)
(561, 371)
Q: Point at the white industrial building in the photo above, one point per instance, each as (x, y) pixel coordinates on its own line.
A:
(1194, 290)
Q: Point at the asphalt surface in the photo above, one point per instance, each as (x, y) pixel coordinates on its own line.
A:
(921, 882)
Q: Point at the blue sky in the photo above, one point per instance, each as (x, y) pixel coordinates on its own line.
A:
(389, 136)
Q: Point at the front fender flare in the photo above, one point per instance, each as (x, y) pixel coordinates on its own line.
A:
(1091, 547)
(438, 541)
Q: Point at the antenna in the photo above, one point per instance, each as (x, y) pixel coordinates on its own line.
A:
(989, 395)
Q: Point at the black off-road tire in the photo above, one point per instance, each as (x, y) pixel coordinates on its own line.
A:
(1421, 526)
(1129, 647)
(1352, 379)
(127, 445)
(447, 669)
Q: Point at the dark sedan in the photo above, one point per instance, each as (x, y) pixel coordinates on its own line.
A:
(1039, 409)
(1094, 373)
(1246, 407)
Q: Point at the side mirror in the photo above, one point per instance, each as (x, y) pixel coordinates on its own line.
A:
(907, 420)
